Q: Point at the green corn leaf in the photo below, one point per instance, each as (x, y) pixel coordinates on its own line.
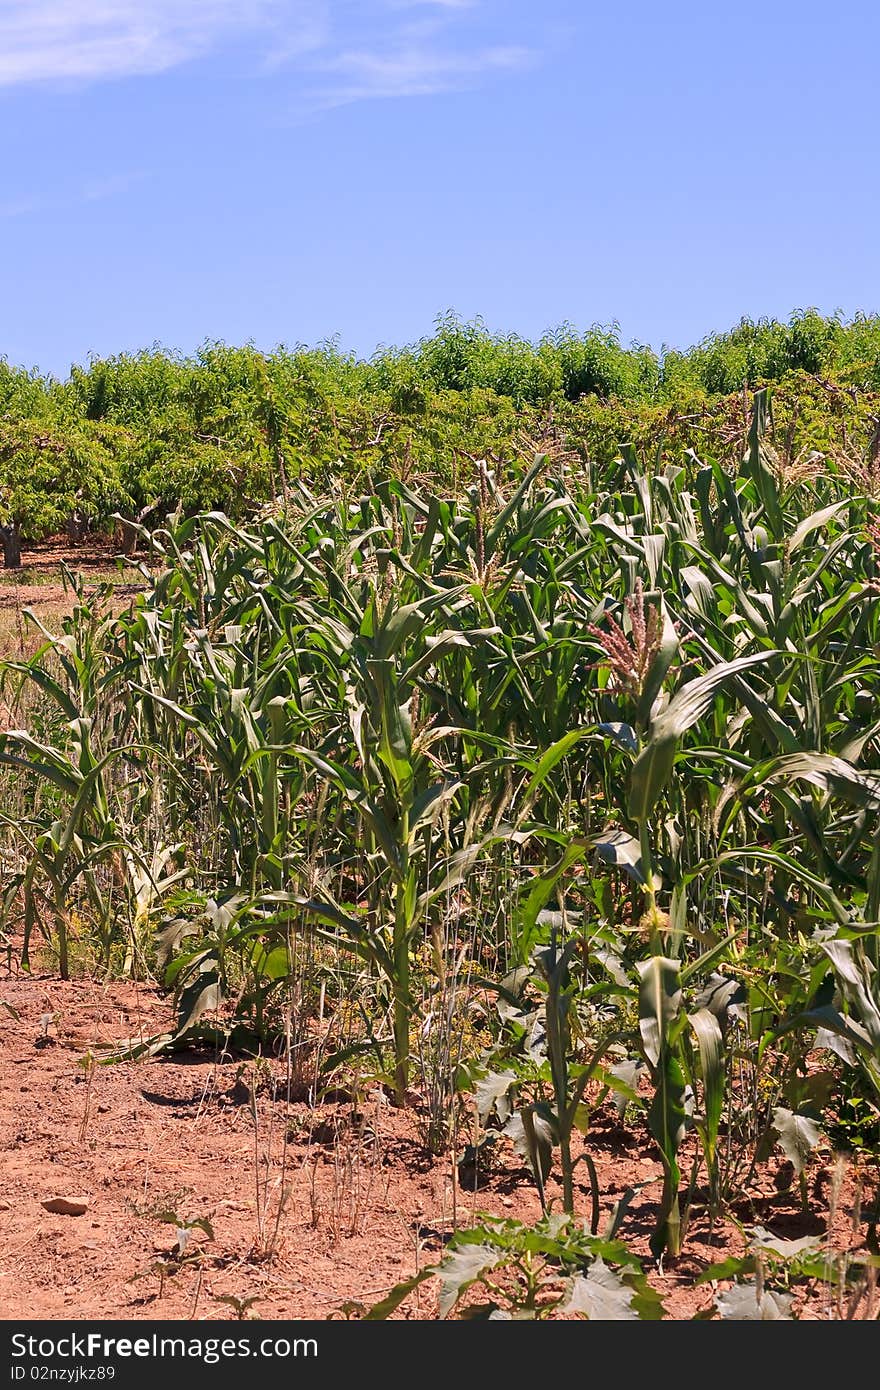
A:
(823, 770)
(710, 1049)
(660, 665)
(547, 762)
(541, 888)
(622, 851)
(813, 523)
(859, 984)
(652, 768)
(756, 468)
(392, 1300)
(659, 1002)
(496, 530)
(666, 1122)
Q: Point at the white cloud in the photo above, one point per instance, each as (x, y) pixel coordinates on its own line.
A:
(438, 4)
(335, 51)
(412, 70)
(88, 40)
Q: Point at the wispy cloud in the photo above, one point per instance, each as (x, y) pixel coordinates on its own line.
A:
(437, 4)
(409, 48)
(335, 51)
(89, 40)
(110, 186)
(410, 70)
(94, 191)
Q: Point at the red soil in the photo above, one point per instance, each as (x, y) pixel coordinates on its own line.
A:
(366, 1205)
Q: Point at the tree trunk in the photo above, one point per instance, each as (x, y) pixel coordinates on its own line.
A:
(76, 528)
(128, 532)
(127, 535)
(10, 538)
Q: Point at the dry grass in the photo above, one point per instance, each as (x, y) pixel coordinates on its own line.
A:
(42, 589)
(19, 637)
(30, 578)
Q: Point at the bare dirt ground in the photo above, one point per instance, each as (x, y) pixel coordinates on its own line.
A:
(42, 557)
(205, 1139)
(39, 586)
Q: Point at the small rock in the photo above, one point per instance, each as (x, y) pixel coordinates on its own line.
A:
(5, 1206)
(507, 1201)
(65, 1206)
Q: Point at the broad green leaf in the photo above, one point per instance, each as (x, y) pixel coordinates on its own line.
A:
(203, 996)
(490, 1093)
(600, 1295)
(720, 994)
(459, 1269)
(798, 1136)
(745, 1302)
(763, 1239)
(271, 964)
(840, 1046)
(532, 1137)
(624, 734)
(626, 1074)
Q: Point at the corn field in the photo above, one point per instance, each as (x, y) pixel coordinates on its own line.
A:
(521, 798)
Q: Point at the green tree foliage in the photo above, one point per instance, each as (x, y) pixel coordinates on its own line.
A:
(52, 473)
(150, 434)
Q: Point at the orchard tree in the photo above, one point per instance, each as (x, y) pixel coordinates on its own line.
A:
(51, 471)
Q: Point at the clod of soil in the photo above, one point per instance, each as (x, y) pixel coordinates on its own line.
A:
(64, 1206)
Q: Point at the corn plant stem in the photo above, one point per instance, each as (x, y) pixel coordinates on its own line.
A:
(647, 858)
(557, 1047)
(401, 994)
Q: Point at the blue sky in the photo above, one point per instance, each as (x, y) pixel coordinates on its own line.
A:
(290, 170)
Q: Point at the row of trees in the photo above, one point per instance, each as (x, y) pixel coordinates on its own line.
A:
(144, 435)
